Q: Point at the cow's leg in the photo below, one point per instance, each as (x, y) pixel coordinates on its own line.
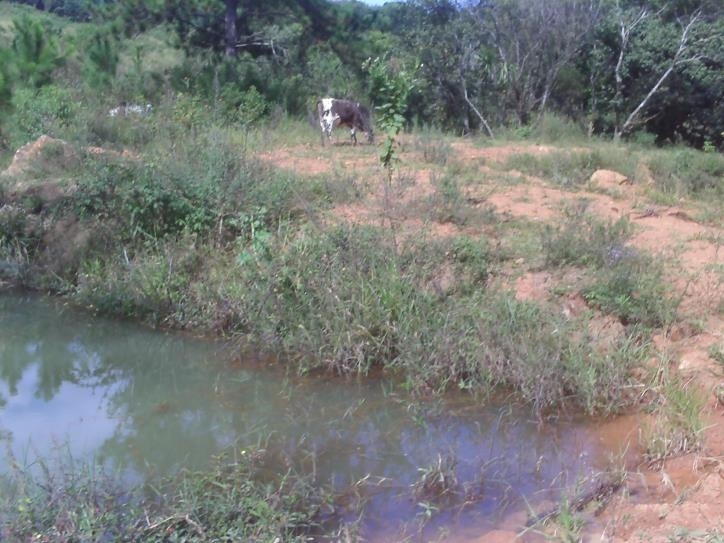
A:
(326, 125)
(353, 135)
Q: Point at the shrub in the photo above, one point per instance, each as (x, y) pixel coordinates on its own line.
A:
(202, 185)
(101, 59)
(49, 110)
(35, 54)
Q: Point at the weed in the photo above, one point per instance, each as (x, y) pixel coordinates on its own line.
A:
(554, 128)
(635, 291)
(568, 524)
(437, 480)
(448, 203)
(678, 426)
(464, 172)
(625, 282)
(584, 240)
(571, 168)
(433, 146)
(684, 172)
(716, 352)
(73, 502)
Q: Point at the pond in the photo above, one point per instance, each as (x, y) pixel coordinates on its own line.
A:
(149, 402)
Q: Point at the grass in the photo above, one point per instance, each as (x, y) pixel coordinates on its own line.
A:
(437, 480)
(433, 146)
(234, 499)
(634, 291)
(676, 172)
(716, 352)
(448, 203)
(573, 169)
(621, 280)
(688, 172)
(583, 240)
(677, 427)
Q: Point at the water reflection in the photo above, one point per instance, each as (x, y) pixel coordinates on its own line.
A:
(152, 402)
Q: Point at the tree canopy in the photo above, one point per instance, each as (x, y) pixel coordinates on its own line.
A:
(617, 67)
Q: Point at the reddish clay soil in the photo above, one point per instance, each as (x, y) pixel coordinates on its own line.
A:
(681, 496)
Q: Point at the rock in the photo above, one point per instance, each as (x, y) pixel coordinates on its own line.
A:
(608, 179)
(42, 155)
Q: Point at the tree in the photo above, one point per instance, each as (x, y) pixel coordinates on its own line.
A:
(685, 51)
(35, 53)
(534, 40)
(230, 24)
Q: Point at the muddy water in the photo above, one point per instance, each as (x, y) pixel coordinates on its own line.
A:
(150, 402)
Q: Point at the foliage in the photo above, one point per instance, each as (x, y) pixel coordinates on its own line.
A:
(513, 62)
(677, 427)
(73, 502)
(687, 172)
(47, 110)
(202, 185)
(584, 240)
(35, 53)
(101, 59)
(252, 107)
(572, 168)
(391, 87)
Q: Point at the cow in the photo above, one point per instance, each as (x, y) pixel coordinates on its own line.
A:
(334, 112)
(131, 109)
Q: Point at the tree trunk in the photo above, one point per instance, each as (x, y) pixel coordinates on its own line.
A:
(480, 116)
(230, 24)
(633, 117)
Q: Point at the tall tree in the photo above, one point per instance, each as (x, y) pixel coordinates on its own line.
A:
(230, 24)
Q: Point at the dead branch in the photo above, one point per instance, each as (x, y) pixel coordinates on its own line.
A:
(679, 58)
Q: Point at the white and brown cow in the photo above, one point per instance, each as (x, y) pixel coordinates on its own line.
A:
(333, 112)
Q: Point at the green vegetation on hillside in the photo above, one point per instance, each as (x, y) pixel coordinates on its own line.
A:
(609, 68)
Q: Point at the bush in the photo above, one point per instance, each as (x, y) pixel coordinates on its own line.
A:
(202, 185)
(49, 110)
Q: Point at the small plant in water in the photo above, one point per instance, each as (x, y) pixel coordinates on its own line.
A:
(437, 480)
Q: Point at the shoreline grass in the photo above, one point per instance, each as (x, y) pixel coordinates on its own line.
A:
(235, 499)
